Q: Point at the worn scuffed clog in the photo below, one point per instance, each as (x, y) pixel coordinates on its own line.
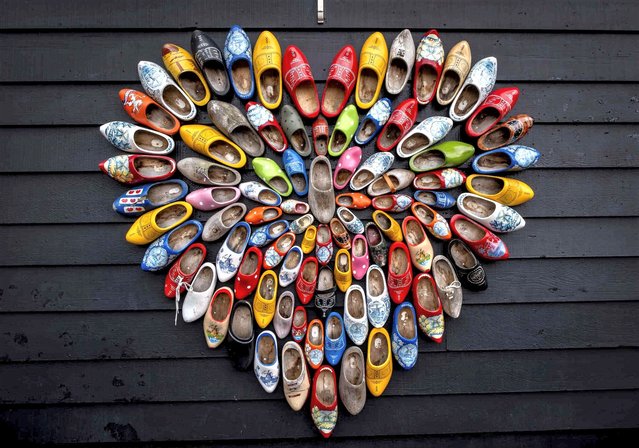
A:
(448, 286)
(321, 194)
(295, 131)
(400, 62)
(352, 384)
(205, 172)
(295, 376)
(232, 122)
(223, 221)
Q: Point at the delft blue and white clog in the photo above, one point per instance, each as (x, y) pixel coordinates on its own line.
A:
(508, 158)
(238, 48)
(265, 363)
(296, 171)
(373, 122)
(371, 169)
(129, 137)
(482, 78)
(161, 253)
(146, 197)
(497, 217)
(155, 80)
(352, 223)
(355, 316)
(257, 192)
(424, 135)
(404, 336)
(302, 223)
(230, 254)
(269, 232)
(335, 340)
(377, 299)
(291, 268)
(435, 199)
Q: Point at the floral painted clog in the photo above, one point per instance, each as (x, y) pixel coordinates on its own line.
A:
(150, 196)
(324, 401)
(491, 214)
(270, 172)
(456, 69)
(183, 271)
(307, 280)
(435, 223)
(135, 139)
(283, 319)
(205, 172)
(470, 272)
(268, 232)
(350, 221)
(265, 364)
(439, 179)
(387, 225)
(257, 192)
(378, 302)
(421, 250)
(147, 112)
(495, 107)
(291, 266)
(295, 376)
(267, 126)
(267, 62)
(264, 300)
(429, 61)
(335, 339)
(299, 82)
(212, 143)
(155, 223)
(324, 244)
(212, 198)
(425, 134)
(239, 62)
(230, 254)
(373, 60)
(209, 58)
(276, 251)
(504, 190)
(343, 131)
(232, 122)
(295, 130)
(377, 245)
(320, 136)
(346, 166)
(430, 314)
(221, 222)
(359, 260)
(507, 159)
(373, 122)
(295, 207)
(199, 293)
(314, 346)
(390, 182)
(340, 82)
(300, 324)
(302, 223)
(264, 214)
(435, 199)
(355, 317)
(482, 241)
(506, 133)
(248, 273)
(401, 120)
(379, 362)
(404, 341)
(400, 272)
(340, 235)
(392, 203)
(160, 86)
(216, 320)
(135, 169)
(371, 169)
(296, 171)
(400, 62)
(448, 286)
(342, 270)
(170, 245)
(241, 341)
(321, 194)
(476, 87)
(308, 241)
(182, 66)
(443, 155)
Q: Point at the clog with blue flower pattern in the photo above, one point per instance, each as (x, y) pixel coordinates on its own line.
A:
(295, 207)
(476, 87)
(335, 340)
(392, 203)
(159, 85)
(378, 302)
(239, 62)
(404, 336)
(276, 251)
(428, 306)
(491, 214)
(482, 241)
(425, 134)
(291, 266)
(267, 233)
(350, 221)
(155, 223)
(373, 122)
(296, 171)
(267, 60)
(135, 139)
(435, 199)
(267, 126)
(170, 245)
(302, 223)
(149, 196)
(265, 362)
(324, 401)
(508, 158)
(135, 169)
(230, 254)
(270, 172)
(257, 192)
(434, 222)
(355, 317)
(372, 168)
(264, 299)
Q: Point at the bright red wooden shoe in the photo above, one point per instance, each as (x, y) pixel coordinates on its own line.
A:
(482, 241)
(307, 280)
(429, 62)
(147, 112)
(248, 274)
(428, 305)
(494, 108)
(184, 269)
(135, 169)
(320, 136)
(324, 400)
(400, 272)
(401, 120)
(299, 82)
(340, 82)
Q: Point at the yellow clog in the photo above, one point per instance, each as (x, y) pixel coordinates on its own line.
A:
(388, 225)
(308, 242)
(379, 362)
(342, 271)
(151, 225)
(501, 189)
(267, 63)
(373, 60)
(264, 300)
(211, 143)
(183, 68)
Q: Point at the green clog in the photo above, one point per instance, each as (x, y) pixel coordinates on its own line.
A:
(270, 172)
(345, 128)
(443, 155)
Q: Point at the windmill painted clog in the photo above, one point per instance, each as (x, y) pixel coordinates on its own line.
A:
(295, 207)
(135, 139)
(324, 401)
(389, 227)
(296, 171)
(429, 61)
(268, 232)
(241, 340)
(360, 260)
(400, 62)
(199, 294)
(371, 169)
(352, 384)
(302, 223)
(377, 245)
(169, 246)
(494, 108)
(424, 135)
(266, 126)
(428, 306)
(342, 270)
(421, 250)
(144, 198)
(320, 136)
(335, 339)
(443, 155)
(400, 272)
(308, 241)
(392, 203)
(435, 199)
(264, 300)
(265, 364)
(135, 169)
(373, 122)
(324, 244)
(340, 82)
(291, 266)
(481, 241)
(295, 377)
(222, 221)
(284, 315)
(212, 143)
(378, 302)
(160, 86)
(448, 286)
(205, 172)
(258, 192)
(343, 131)
(239, 62)
(232, 122)
(346, 166)
(355, 317)
(507, 159)
(295, 130)
(147, 112)
(270, 172)
(469, 271)
(373, 60)
(314, 345)
(182, 67)
(439, 179)
(379, 362)
(491, 214)
(217, 317)
(321, 194)
(299, 82)
(506, 133)
(401, 120)
(248, 274)
(456, 68)
(355, 201)
(307, 280)
(211, 62)
(390, 182)
(300, 324)
(404, 341)
(352, 223)
(278, 250)
(230, 254)
(504, 190)
(476, 87)
(262, 215)
(155, 223)
(212, 198)
(435, 223)
(183, 271)
(267, 62)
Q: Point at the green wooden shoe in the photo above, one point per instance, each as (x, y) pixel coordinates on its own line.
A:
(270, 172)
(443, 155)
(345, 128)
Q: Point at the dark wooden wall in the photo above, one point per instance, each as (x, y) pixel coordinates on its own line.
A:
(547, 356)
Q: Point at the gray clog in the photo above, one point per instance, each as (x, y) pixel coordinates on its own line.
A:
(205, 172)
(321, 195)
(352, 381)
(232, 122)
(220, 223)
(295, 131)
(391, 181)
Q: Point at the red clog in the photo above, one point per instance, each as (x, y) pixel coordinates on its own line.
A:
(184, 269)
(324, 400)
(401, 120)
(299, 82)
(400, 272)
(135, 169)
(147, 112)
(300, 323)
(307, 280)
(320, 136)
(340, 82)
(482, 241)
(491, 111)
(267, 126)
(429, 62)
(248, 275)
(428, 306)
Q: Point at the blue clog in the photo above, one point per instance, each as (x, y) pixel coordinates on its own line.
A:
(335, 339)
(296, 171)
(404, 337)
(435, 199)
(239, 62)
(373, 122)
(146, 197)
(267, 233)
(508, 158)
(165, 249)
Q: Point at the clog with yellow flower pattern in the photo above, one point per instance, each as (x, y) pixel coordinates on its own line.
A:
(501, 189)
(155, 223)
(388, 225)
(264, 300)
(342, 271)
(373, 60)
(267, 63)
(212, 143)
(185, 71)
(379, 362)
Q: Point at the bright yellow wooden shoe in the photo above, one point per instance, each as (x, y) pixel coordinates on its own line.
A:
(379, 362)
(264, 300)
(151, 225)
(342, 271)
(501, 189)
(308, 242)
(185, 71)
(373, 60)
(211, 143)
(267, 64)
(388, 225)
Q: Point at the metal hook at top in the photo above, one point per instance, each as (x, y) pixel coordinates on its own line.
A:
(320, 11)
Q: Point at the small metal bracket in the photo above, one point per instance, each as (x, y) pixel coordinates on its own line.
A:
(320, 11)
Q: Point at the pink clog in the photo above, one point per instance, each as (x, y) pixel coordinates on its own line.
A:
(346, 166)
(359, 260)
(214, 197)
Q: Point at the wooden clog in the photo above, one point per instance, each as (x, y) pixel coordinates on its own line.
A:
(454, 74)
(184, 70)
(147, 112)
(299, 82)
(212, 143)
(340, 82)
(267, 63)
(211, 62)
(372, 68)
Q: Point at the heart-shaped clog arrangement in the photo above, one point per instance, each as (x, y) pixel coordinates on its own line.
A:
(378, 264)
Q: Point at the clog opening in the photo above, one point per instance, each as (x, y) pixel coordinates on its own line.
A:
(399, 261)
(192, 85)
(160, 118)
(299, 141)
(266, 349)
(270, 85)
(237, 239)
(493, 162)
(467, 99)
(246, 139)
(355, 304)
(242, 324)
(368, 80)
(468, 230)
(414, 144)
(397, 74)
(150, 141)
(216, 76)
(221, 306)
(379, 350)
(325, 390)
(273, 137)
(182, 237)
(231, 215)
(222, 175)
(429, 160)
(176, 100)
(485, 120)
(190, 261)
(292, 259)
(406, 323)
(306, 96)
(359, 247)
(481, 207)
(425, 83)
(309, 273)
(242, 77)
(321, 175)
(333, 98)
(203, 279)
(376, 282)
(251, 264)
(152, 168)
(334, 328)
(449, 84)
(428, 182)
(487, 185)
(267, 287)
(337, 142)
(279, 184)
(223, 195)
(353, 368)
(224, 152)
(286, 306)
(390, 135)
(292, 364)
(462, 256)
(164, 193)
(414, 232)
(496, 138)
(170, 216)
(366, 130)
(426, 294)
